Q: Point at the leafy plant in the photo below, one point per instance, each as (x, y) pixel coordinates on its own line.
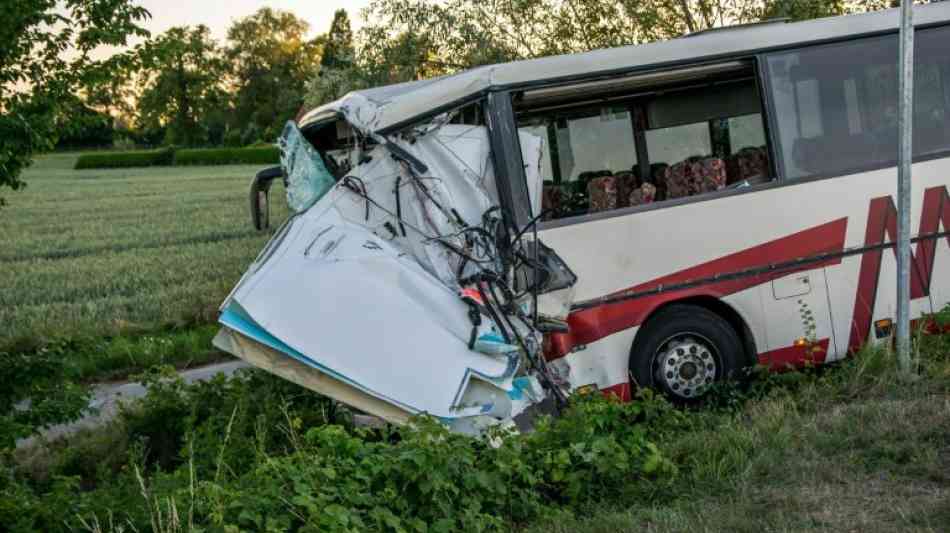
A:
(36, 393)
(37, 77)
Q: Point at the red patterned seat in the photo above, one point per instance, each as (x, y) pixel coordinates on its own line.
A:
(696, 175)
(750, 163)
(552, 200)
(644, 194)
(604, 193)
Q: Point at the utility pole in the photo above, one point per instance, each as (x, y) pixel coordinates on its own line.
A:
(905, 159)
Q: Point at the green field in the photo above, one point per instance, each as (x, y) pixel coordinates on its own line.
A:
(93, 253)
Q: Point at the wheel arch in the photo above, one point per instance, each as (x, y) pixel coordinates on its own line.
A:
(719, 307)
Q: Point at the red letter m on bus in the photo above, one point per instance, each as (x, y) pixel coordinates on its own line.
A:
(882, 221)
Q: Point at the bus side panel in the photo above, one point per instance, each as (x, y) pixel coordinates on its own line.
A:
(864, 286)
(733, 233)
(940, 268)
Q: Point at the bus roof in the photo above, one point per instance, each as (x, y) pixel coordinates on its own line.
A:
(401, 104)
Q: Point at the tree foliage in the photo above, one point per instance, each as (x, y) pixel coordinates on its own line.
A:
(81, 126)
(271, 61)
(45, 48)
(338, 49)
(406, 40)
(182, 84)
(465, 33)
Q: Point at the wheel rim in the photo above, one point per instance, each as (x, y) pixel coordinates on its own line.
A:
(686, 364)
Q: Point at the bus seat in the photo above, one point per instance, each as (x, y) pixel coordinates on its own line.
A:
(551, 201)
(833, 153)
(657, 173)
(750, 163)
(695, 175)
(642, 195)
(604, 193)
(626, 183)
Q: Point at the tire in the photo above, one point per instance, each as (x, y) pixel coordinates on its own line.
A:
(682, 350)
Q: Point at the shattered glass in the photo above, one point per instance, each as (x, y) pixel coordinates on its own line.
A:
(308, 179)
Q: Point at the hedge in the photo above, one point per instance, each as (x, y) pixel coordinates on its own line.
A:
(255, 155)
(252, 155)
(141, 158)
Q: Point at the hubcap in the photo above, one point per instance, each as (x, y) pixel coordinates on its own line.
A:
(685, 365)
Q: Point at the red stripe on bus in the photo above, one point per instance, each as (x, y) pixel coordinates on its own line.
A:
(589, 325)
(795, 356)
(882, 224)
(621, 391)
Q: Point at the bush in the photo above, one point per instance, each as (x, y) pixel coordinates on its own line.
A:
(257, 155)
(254, 155)
(36, 393)
(142, 158)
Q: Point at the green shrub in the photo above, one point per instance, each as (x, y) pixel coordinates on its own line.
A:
(263, 154)
(140, 158)
(36, 393)
(423, 477)
(257, 155)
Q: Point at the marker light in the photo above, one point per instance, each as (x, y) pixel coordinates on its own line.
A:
(883, 328)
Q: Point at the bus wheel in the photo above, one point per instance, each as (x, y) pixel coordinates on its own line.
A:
(684, 349)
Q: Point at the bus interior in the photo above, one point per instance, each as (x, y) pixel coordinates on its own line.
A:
(626, 142)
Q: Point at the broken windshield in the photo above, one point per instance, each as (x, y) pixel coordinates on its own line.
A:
(307, 176)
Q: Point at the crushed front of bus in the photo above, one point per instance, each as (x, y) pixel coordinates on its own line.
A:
(399, 284)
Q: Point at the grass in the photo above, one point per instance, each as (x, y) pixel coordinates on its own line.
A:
(121, 356)
(848, 449)
(844, 448)
(94, 253)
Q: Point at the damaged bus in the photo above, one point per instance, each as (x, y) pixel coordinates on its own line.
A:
(480, 246)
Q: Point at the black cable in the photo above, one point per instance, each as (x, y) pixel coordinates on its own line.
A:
(399, 205)
(361, 191)
(428, 237)
(492, 313)
(530, 224)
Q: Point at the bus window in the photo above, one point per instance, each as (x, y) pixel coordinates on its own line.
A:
(706, 138)
(677, 135)
(932, 92)
(836, 105)
(582, 148)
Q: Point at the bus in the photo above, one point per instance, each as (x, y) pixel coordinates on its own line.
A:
(723, 199)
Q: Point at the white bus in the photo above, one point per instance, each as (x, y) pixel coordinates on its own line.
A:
(724, 199)
(773, 241)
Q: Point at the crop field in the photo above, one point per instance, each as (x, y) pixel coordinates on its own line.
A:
(88, 253)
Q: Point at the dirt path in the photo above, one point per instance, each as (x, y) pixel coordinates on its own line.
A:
(107, 398)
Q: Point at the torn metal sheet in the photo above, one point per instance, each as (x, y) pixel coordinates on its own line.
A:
(388, 289)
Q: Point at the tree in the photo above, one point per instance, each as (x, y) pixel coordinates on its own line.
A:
(83, 127)
(45, 48)
(466, 33)
(405, 40)
(271, 62)
(338, 49)
(182, 72)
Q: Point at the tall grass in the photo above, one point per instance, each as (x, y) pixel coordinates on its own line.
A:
(106, 252)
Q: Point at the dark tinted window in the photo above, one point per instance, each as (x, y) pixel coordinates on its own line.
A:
(837, 105)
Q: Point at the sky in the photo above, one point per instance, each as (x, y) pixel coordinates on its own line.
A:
(219, 14)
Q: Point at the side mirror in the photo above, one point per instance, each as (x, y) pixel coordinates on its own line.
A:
(260, 187)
